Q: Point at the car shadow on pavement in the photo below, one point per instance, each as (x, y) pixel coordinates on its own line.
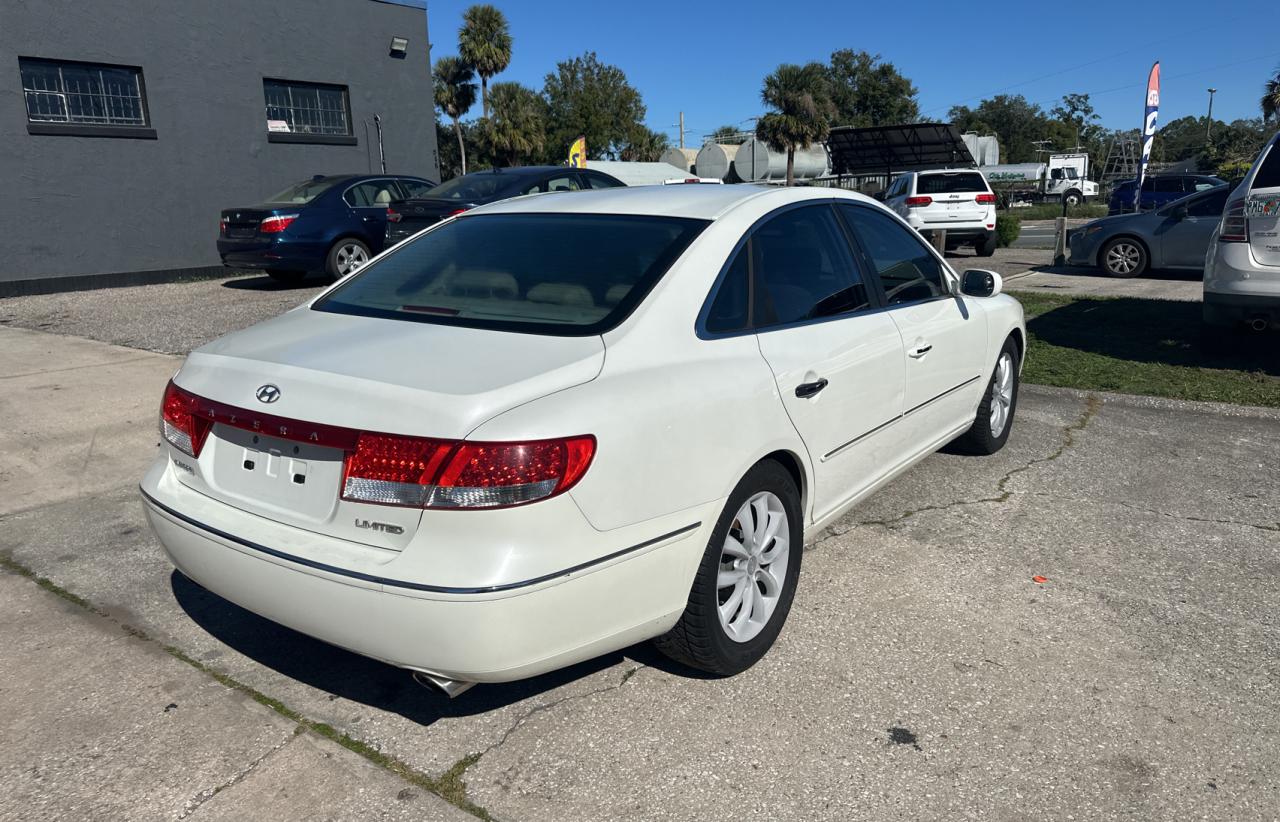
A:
(1166, 274)
(360, 679)
(264, 283)
(1168, 332)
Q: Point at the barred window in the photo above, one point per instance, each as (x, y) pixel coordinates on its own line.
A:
(59, 91)
(307, 108)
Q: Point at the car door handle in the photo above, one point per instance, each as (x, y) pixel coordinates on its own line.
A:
(808, 389)
(919, 351)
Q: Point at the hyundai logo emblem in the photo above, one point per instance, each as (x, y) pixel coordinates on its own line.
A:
(268, 393)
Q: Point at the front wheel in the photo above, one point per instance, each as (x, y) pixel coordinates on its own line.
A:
(994, 420)
(1073, 198)
(1123, 257)
(747, 578)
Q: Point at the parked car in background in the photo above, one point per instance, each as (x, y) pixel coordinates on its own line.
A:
(333, 224)
(1158, 190)
(1242, 268)
(958, 202)
(408, 217)
(502, 447)
(1173, 236)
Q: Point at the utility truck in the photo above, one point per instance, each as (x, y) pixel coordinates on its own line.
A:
(1064, 177)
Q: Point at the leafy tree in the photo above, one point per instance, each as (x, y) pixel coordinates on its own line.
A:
(1017, 123)
(643, 145)
(724, 133)
(455, 95)
(1076, 112)
(590, 98)
(802, 109)
(516, 130)
(484, 42)
(868, 92)
(1270, 101)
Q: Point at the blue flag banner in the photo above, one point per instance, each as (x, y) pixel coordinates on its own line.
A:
(1148, 130)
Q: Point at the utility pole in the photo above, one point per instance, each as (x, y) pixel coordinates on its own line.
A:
(680, 126)
(1208, 126)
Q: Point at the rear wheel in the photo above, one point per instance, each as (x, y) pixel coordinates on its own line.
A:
(280, 275)
(994, 420)
(347, 256)
(747, 578)
(986, 247)
(1123, 257)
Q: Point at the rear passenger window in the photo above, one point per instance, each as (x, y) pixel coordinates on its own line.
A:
(803, 269)
(1167, 185)
(372, 194)
(907, 268)
(1268, 175)
(566, 183)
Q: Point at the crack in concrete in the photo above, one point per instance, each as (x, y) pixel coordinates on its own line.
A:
(1274, 528)
(193, 804)
(1092, 405)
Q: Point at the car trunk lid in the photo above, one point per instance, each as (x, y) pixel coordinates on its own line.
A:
(289, 396)
(243, 223)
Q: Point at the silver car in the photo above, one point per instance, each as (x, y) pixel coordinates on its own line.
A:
(1173, 236)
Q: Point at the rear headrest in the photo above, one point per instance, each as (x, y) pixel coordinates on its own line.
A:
(617, 293)
(383, 197)
(561, 294)
(494, 283)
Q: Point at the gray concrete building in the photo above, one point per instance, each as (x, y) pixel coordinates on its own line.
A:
(126, 126)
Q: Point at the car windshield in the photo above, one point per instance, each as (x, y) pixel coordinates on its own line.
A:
(558, 274)
(950, 183)
(303, 192)
(471, 187)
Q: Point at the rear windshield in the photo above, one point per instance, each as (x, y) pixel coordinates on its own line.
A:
(303, 192)
(560, 274)
(950, 183)
(472, 187)
(1268, 175)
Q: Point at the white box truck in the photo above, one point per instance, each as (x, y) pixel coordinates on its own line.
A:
(1064, 177)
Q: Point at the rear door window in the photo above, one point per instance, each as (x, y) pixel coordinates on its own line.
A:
(1210, 205)
(951, 183)
(567, 182)
(558, 274)
(803, 268)
(1268, 175)
(373, 194)
(1168, 185)
(728, 312)
(908, 270)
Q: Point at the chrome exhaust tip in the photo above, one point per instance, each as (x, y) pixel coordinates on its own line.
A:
(450, 687)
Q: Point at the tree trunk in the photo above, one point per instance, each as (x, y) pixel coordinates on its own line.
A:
(462, 149)
(791, 165)
(484, 94)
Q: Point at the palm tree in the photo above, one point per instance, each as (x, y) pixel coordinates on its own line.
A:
(484, 41)
(803, 109)
(455, 94)
(518, 127)
(1271, 97)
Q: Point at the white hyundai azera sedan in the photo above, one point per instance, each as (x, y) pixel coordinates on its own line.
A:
(559, 425)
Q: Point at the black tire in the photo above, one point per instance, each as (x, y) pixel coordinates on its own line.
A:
(698, 639)
(288, 277)
(333, 264)
(1073, 198)
(986, 247)
(1129, 260)
(979, 440)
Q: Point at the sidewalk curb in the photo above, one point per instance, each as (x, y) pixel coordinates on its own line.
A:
(1226, 409)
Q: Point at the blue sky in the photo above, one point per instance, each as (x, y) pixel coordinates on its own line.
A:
(708, 58)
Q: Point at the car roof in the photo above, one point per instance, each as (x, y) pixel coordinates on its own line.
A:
(692, 200)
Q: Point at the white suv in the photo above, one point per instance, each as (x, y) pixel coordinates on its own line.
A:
(1242, 266)
(959, 202)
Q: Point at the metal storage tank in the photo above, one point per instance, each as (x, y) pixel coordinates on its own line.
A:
(682, 158)
(716, 160)
(757, 162)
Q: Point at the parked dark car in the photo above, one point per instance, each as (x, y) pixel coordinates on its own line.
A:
(1158, 190)
(332, 224)
(1173, 236)
(407, 218)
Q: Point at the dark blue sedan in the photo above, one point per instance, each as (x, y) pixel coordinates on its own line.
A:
(332, 224)
(1159, 190)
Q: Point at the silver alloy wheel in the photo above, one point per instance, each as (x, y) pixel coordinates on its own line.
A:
(1001, 394)
(1123, 258)
(753, 566)
(350, 257)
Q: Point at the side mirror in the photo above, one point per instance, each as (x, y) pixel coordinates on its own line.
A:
(1179, 213)
(977, 282)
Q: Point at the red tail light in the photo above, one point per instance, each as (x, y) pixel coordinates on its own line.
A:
(276, 224)
(1234, 227)
(456, 211)
(985, 198)
(393, 216)
(222, 226)
(395, 470)
(180, 424)
(913, 202)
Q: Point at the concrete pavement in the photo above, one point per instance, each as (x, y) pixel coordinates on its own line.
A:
(922, 674)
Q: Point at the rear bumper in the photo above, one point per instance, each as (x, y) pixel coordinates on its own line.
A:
(1232, 309)
(271, 254)
(481, 635)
